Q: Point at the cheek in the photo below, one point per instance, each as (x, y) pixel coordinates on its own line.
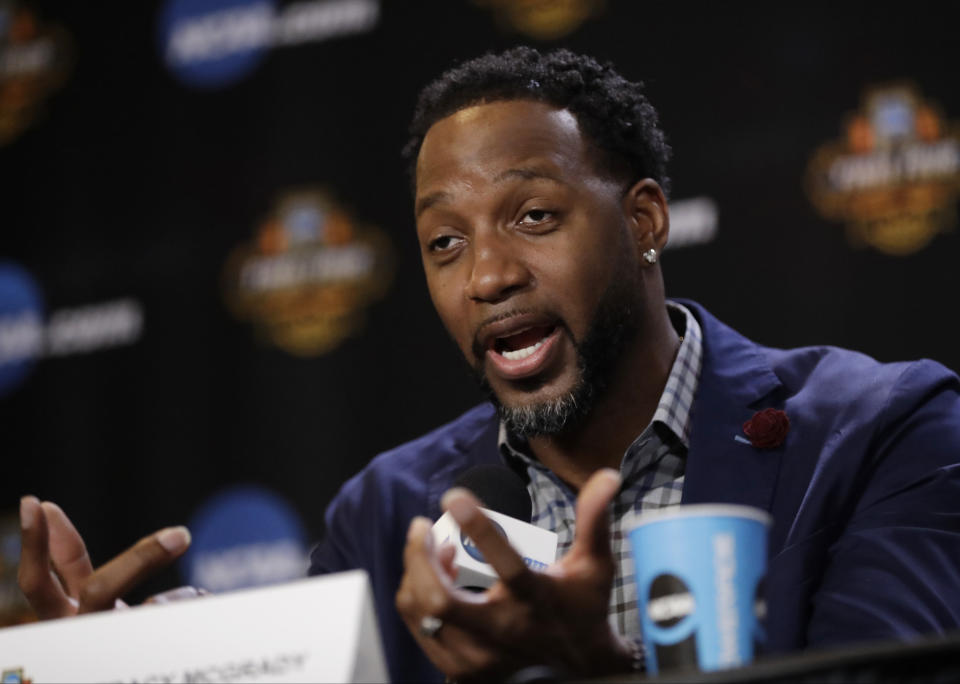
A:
(580, 269)
(579, 274)
(448, 302)
(608, 253)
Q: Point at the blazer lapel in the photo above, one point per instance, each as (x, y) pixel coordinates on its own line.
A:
(722, 466)
(479, 447)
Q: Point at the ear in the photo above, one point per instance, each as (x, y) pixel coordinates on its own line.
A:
(648, 215)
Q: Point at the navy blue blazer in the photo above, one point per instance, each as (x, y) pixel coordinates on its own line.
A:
(864, 492)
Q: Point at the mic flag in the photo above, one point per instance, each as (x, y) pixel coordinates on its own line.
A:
(497, 487)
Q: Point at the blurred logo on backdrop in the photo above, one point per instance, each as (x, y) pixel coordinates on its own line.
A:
(34, 61)
(693, 221)
(244, 536)
(543, 19)
(213, 43)
(26, 335)
(307, 278)
(894, 177)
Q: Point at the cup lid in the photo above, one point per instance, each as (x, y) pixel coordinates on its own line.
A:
(701, 511)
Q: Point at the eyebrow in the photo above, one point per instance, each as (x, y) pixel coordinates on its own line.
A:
(528, 174)
(435, 198)
(430, 200)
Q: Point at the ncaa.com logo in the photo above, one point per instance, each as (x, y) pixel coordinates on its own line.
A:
(26, 335)
(213, 43)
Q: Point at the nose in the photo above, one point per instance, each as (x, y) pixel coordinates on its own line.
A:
(498, 269)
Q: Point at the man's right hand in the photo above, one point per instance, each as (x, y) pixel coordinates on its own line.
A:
(56, 575)
(556, 618)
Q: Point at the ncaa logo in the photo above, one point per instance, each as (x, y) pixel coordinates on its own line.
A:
(471, 548)
(210, 43)
(213, 43)
(21, 324)
(245, 536)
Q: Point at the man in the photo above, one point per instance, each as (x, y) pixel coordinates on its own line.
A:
(541, 215)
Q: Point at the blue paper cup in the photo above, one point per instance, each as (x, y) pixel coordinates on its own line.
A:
(699, 573)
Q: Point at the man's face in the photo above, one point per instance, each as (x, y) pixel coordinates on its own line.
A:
(526, 250)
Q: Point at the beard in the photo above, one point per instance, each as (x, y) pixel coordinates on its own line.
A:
(614, 326)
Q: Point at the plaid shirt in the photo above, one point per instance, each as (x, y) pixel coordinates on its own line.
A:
(652, 471)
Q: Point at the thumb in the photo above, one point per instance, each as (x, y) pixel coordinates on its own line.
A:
(68, 553)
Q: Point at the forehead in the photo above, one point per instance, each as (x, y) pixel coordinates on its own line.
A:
(482, 141)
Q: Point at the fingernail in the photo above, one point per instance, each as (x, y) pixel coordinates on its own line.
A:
(417, 525)
(461, 508)
(613, 475)
(174, 539)
(28, 511)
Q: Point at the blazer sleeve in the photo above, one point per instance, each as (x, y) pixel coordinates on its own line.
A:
(894, 572)
(366, 529)
(338, 551)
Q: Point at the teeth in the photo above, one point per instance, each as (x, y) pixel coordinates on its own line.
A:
(522, 353)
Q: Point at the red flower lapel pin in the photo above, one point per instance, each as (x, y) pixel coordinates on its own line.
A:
(767, 429)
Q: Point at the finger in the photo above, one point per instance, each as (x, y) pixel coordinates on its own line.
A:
(445, 659)
(425, 588)
(131, 567)
(593, 520)
(420, 534)
(458, 653)
(446, 555)
(421, 593)
(424, 592)
(496, 550)
(67, 550)
(419, 548)
(37, 582)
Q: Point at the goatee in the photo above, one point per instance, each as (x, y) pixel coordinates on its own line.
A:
(613, 328)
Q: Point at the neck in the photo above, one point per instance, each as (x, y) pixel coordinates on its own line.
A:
(625, 409)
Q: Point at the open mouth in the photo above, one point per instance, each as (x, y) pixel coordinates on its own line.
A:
(522, 344)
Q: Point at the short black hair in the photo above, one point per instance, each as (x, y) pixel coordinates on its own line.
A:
(613, 113)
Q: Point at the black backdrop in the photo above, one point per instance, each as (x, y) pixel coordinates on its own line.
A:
(128, 183)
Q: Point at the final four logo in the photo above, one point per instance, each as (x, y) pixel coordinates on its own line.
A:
(307, 277)
(894, 177)
(34, 61)
(544, 19)
(15, 676)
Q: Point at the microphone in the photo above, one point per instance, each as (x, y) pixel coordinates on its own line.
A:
(499, 489)
(507, 504)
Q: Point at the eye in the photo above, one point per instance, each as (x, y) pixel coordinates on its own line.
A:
(443, 243)
(535, 217)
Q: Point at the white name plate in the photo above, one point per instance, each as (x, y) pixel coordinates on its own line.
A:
(321, 629)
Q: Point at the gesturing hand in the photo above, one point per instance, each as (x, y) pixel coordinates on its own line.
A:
(556, 618)
(55, 571)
